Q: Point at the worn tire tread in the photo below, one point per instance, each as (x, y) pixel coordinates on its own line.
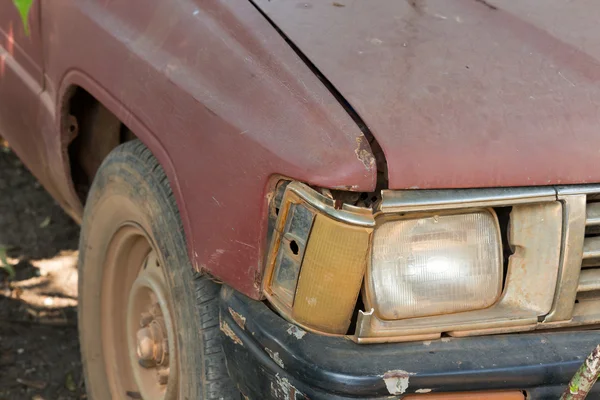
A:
(214, 381)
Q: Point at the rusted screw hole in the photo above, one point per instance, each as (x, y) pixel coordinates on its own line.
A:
(294, 247)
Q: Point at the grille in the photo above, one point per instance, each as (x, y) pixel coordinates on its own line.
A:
(587, 303)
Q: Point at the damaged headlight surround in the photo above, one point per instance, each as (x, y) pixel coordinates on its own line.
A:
(429, 266)
(317, 259)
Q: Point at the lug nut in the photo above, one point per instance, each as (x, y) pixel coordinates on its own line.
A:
(155, 310)
(145, 319)
(145, 348)
(163, 376)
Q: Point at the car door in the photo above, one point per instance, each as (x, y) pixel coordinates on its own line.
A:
(21, 84)
(20, 45)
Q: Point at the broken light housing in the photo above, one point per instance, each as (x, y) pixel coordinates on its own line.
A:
(317, 259)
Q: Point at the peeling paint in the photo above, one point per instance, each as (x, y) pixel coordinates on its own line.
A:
(275, 356)
(281, 388)
(345, 187)
(396, 381)
(238, 318)
(214, 258)
(311, 301)
(423, 391)
(296, 332)
(363, 153)
(226, 329)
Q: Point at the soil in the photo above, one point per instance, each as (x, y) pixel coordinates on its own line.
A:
(39, 350)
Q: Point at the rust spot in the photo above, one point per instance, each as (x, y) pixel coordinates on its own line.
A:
(238, 318)
(363, 153)
(345, 187)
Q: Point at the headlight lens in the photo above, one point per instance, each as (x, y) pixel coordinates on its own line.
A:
(435, 265)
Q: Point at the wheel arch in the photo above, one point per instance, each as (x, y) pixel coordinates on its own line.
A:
(93, 104)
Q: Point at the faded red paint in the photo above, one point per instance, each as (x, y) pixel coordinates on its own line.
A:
(463, 93)
(216, 94)
(459, 94)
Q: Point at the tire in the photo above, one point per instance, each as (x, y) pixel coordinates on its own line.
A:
(133, 261)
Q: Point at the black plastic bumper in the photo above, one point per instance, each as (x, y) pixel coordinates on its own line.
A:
(271, 359)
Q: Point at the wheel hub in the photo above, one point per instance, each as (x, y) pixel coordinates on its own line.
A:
(152, 342)
(150, 331)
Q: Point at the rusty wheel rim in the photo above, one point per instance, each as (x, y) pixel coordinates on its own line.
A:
(138, 338)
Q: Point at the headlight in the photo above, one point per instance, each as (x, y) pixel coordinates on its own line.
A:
(426, 262)
(435, 265)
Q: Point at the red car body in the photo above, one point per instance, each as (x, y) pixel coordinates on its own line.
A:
(232, 95)
(225, 104)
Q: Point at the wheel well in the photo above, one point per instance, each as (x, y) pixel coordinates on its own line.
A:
(93, 132)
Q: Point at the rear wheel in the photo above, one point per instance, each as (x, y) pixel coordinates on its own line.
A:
(148, 325)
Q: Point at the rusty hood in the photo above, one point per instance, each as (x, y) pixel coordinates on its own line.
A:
(463, 93)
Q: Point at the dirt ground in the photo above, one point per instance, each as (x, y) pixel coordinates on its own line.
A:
(39, 351)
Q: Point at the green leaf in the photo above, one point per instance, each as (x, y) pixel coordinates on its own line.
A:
(24, 6)
(4, 264)
(70, 383)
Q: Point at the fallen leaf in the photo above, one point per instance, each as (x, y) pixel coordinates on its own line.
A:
(70, 383)
(39, 385)
(5, 265)
(45, 222)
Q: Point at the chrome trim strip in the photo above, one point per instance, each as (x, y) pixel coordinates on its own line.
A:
(592, 214)
(589, 280)
(349, 214)
(579, 189)
(442, 199)
(591, 248)
(574, 220)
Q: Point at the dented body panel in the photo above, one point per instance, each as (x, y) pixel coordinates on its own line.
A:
(463, 93)
(217, 95)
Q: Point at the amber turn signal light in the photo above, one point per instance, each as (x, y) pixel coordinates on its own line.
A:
(331, 275)
(317, 260)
